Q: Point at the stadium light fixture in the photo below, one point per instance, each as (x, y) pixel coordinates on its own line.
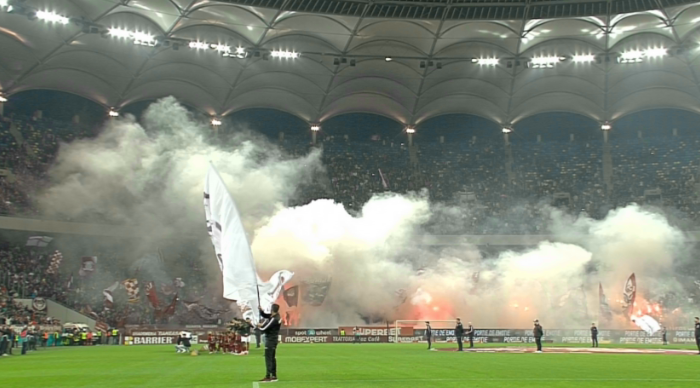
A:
(215, 122)
(118, 33)
(507, 130)
(2, 98)
(139, 38)
(51, 17)
(284, 54)
(315, 127)
(606, 126)
(3, 3)
(585, 58)
(199, 45)
(144, 39)
(485, 61)
(388, 59)
(634, 56)
(113, 113)
(545, 62)
(410, 130)
(656, 52)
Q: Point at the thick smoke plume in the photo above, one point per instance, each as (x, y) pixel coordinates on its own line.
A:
(150, 176)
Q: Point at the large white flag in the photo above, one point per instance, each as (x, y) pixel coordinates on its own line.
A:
(231, 246)
(648, 324)
(270, 291)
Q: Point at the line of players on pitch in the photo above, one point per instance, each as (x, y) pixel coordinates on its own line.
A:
(537, 332)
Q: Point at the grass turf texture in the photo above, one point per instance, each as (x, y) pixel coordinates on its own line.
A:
(344, 366)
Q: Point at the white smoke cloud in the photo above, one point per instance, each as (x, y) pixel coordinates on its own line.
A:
(151, 176)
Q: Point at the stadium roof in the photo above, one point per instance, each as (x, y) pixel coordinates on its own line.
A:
(408, 60)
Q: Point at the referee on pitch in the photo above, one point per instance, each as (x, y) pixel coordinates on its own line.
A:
(459, 332)
(428, 334)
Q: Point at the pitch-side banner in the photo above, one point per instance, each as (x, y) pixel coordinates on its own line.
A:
(231, 245)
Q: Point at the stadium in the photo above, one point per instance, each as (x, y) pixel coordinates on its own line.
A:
(489, 179)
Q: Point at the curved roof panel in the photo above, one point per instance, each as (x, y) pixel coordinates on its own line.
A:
(409, 60)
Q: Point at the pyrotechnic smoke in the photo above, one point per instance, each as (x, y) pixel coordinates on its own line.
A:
(151, 176)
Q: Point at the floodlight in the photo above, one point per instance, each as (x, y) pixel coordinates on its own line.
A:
(113, 113)
(585, 58)
(388, 59)
(507, 130)
(410, 130)
(606, 126)
(52, 17)
(118, 33)
(215, 122)
(3, 98)
(544, 62)
(284, 54)
(144, 39)
(655, 52)
(315, 127)
(240, 50)
(486, 61)
(633, 56)
(199, 45)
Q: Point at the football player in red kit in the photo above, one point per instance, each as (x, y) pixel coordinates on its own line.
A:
(211, 340)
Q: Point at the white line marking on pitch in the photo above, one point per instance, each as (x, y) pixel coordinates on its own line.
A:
(255, 385)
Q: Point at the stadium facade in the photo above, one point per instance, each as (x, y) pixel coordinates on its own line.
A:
(504, 60)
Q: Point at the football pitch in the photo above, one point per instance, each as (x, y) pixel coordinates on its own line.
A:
(344, 366)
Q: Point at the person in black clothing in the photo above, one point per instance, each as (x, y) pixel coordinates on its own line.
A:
(664, 332)
(257, 336)
(459, 332)
(594, 335)
(470, 334)
(183, 342)
(697, 333)
(428, 334)
(538, 332)
(271, 329)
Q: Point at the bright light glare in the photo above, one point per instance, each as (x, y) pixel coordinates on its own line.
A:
(144, 39)
(410, 130)
(487, 61)
(199, 45)
(240, 50)
(141, 38)
(118, 33)
(113, 113)
(606, 127)
(222, 48)
(285, 54)
(586, 58)
(544, 62)
(3, 98)
(655, 52)
(507, 130)
(315, 128)
(3, 3)
(215, 122)
(52, 17)
(631, 56)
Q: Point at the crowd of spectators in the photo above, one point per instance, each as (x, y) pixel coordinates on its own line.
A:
(502, 187)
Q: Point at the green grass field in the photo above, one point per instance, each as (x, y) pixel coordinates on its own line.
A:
(343, 366)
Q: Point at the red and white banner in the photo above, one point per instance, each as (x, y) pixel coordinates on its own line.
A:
(132, 289)
(152, 295)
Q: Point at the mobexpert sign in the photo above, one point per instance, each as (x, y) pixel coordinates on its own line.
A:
(377, 331)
